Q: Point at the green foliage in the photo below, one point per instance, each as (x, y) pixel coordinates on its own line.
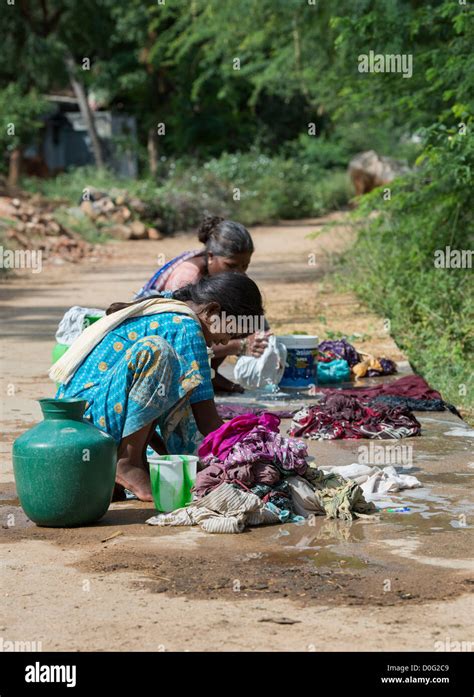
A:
(393, 267)
(255, 188)
(19, 116)
(250, 187)
(227, 76)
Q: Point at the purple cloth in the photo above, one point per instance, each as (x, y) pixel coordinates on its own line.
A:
(340, 348)
(261, 445)
(249, 450)
(389, 367)
(412, 386)
(219, 443)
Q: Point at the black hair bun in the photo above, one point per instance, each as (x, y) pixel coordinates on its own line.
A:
(207, 227)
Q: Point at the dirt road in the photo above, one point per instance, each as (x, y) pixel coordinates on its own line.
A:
(398, 582)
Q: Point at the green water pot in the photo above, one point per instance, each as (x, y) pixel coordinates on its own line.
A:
(64, 467)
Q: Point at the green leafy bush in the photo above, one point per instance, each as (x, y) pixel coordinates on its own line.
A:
(250, 187)
(392, 266)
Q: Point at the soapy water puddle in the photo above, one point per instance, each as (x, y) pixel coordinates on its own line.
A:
(428, 505)
(314, 536)
(427, 514)
(408, 548)
(326, 557)
(430, 419)
(460, 432)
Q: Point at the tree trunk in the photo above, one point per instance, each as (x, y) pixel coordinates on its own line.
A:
(14, 168)
(152, 147)
(85, 110)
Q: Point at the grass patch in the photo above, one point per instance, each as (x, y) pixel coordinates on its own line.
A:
(392, 265)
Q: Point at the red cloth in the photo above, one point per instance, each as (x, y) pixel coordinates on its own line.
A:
(344, 416)
(410, 386)
(220, 442)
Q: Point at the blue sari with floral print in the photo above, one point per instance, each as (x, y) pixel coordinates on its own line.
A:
(147, 369)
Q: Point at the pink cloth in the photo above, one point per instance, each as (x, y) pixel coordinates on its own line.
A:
(182, 275)
(219, 443)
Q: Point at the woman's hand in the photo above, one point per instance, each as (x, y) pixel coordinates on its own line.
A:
(257, 343)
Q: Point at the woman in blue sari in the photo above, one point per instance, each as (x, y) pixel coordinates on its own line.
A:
(144, 369)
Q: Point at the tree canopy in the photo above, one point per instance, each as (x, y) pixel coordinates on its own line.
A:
(225, 76)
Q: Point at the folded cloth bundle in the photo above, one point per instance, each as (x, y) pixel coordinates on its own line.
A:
(343, 416)
(333, 371)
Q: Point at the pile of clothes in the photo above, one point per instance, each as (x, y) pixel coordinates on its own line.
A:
(340, 415)
(255, 476)
(411, 391)
(250, 451)
(361, 364)
(382, 411)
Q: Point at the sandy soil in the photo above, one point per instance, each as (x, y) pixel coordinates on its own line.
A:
(395, 583)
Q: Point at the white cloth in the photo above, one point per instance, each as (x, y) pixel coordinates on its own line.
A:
(268, 369)
(304, 498)
(375, 481)
(224, 510)
(72, 324)
(63, 370)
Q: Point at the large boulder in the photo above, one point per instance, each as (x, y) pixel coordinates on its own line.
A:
(369, 169)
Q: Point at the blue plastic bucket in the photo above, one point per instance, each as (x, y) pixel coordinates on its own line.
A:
(301, 361)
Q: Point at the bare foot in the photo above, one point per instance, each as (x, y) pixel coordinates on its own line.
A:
(134, 478)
